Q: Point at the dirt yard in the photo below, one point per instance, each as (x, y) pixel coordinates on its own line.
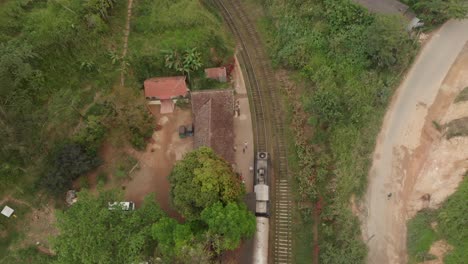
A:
(157, 161)
(425, 167)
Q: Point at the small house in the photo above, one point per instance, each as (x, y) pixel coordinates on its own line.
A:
(165, 91)
(218, 73)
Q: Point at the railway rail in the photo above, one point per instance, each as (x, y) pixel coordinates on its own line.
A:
(268, 123)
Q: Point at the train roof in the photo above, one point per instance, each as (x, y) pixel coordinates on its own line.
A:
(261, 192)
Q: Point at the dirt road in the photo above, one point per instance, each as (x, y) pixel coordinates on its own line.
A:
(384, 216)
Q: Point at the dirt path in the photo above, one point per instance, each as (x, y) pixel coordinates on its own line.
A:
(127, 33)
(405, 143)
(9, 198)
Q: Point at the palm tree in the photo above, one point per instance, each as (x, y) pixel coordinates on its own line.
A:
(192, 61)
(186, 63)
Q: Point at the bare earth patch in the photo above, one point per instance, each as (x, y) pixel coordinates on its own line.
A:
(40, 228)
(438, 249)
(156, 162)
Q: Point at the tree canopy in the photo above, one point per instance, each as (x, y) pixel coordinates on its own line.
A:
(201, 179)
(91, 233)
(68, 163)
(228, 224)
(435, 12)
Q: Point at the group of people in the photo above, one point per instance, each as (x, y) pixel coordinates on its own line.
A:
(243, 148)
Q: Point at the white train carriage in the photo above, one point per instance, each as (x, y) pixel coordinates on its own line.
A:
(262, 209)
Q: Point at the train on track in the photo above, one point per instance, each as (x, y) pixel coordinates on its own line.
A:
(262, 208)
(261, 186)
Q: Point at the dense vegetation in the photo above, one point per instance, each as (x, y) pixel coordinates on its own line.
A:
(448, 222)
(91, 233)
(351, 61)
(436, 12)
(60, 98)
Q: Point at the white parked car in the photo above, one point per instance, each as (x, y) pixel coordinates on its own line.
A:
(126, 206)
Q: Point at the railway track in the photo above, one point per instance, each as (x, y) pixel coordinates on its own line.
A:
(268, 123)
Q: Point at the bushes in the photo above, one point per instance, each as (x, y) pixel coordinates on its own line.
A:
(436, 12)
(92, 134)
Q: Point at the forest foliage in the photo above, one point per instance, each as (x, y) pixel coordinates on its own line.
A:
(351, 61)
(200, 180)
(91, 233)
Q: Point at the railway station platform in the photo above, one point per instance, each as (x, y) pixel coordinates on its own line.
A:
(243, 132)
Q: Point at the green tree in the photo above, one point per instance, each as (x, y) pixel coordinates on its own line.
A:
(192, 61)
(434, 12)
(227, 225)
(68, 163)
(91, 233)
(202, 179)
(171, 236)
(386, 42)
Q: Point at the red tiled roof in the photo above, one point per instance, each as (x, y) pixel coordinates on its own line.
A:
(165, 87)
(214, 121)
(215, 73)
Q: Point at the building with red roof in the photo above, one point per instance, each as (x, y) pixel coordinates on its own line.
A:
(218, 73)
(165, 91)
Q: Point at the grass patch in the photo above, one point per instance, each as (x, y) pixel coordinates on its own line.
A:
(457, 128)
(451, 219)
(27, 255)
(462, 96)
(208, 84)
(303, 236)
(156, 31)
(421, 236)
